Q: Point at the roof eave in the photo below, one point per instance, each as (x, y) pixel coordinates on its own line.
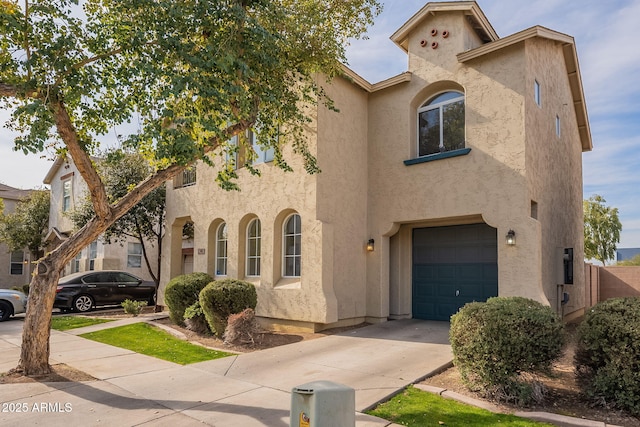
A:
(362, 83)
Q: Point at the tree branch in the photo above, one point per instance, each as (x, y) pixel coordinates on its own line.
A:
(81, 158)
(15, 91)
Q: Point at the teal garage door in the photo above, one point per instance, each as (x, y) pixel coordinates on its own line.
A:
(451, 267)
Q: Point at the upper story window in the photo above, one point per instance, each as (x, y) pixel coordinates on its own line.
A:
(441, 124)
(254, 236)
(221, 250)
(263, 155)
(66, 195)
(186, 178)
(292, 255)
(558, 126)
(17, 263)
(536, 93)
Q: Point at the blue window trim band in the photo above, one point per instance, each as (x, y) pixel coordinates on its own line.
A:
(438, 156)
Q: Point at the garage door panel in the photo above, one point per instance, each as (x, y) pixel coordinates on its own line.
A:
(451, 267)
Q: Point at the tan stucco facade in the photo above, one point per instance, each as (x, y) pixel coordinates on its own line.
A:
(514, 173)
(101, 255)
(12, 272)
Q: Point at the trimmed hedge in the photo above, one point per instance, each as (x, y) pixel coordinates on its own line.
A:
(499, 347)
(608, 353)
(223, 298)
(182, 292)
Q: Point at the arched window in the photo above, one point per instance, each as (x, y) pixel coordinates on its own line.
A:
(221, 250)
(254, 235)
(292, 238)
(441, 124)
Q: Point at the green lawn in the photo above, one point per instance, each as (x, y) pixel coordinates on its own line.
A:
(417, 408)
(146, 339)
(63, 323)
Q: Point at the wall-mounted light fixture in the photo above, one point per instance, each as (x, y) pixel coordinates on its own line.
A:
(511, 238)
(371, 245)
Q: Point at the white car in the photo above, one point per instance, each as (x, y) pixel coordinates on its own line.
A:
(11, 303)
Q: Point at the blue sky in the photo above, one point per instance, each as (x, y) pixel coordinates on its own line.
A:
(606, 39)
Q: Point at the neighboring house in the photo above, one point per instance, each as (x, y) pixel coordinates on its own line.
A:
(626, 254)
(68, 189)
(456, 181)
(16, 266)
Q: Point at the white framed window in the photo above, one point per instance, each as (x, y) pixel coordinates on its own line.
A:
(17, 263)
(66, 195)
(134, 255)
(254, 237)
(93, 254)
(558, 127)
(292, 246)
(262, 155)
(441, 124)
(536, 93)
(221, 250)
(75, 264)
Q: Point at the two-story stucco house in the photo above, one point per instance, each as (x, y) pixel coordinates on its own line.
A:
(16, 265)
(68, 188)
(458, 180)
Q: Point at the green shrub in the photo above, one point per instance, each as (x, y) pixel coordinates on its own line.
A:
(182, 291)
(499, 347)
(223, 298)
(133, 307)
(194, 319)
(608, 353)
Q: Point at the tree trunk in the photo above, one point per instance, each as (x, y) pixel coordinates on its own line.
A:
(34, 355)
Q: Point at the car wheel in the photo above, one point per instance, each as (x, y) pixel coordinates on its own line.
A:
(82, 303)
(5, 311)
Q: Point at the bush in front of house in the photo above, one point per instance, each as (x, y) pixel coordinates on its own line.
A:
(501, 345)
(222, 298)
(608, 353)
(183, 291)
(195, 320)
(133, 307)
(242, 328)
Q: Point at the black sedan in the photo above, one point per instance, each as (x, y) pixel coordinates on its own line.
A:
(88, 289)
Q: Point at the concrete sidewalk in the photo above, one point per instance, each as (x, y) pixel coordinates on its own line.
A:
(246, 390)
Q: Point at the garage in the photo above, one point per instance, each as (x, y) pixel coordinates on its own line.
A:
(451, 267)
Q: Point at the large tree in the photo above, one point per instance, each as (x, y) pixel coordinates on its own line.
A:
(192, 74)
(601, 229)
(144, 222)
(27, 226)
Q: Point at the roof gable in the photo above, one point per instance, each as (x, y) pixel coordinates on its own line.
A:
(472, 11)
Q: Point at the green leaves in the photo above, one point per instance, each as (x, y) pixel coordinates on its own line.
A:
(186, 69)
(27, 226)
(601, 229)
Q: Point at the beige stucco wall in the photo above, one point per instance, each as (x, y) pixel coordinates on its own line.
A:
(489, 184)
(109, 256)
(554, 171)
(65, 171)
(366, 191)
(8, 280)
(332, 206)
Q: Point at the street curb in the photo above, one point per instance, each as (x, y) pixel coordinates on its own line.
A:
(555, 419)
